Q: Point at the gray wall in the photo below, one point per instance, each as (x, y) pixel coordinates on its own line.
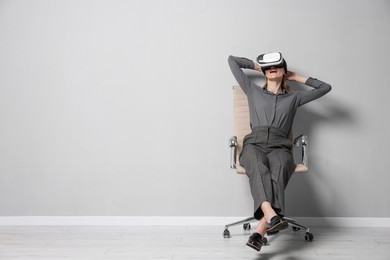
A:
(124, 107)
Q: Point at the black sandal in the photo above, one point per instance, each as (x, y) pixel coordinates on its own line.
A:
(255, 241)
(277, 224)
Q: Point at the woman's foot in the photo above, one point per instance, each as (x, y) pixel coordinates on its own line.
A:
(276, 224)
(255, 241)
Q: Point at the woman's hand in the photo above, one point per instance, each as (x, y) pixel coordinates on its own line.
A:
(290, 75)
(257, 67)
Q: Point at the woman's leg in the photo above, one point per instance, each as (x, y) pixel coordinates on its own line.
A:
(282, 167)
(268, 211)
(255, 162)
(262, 227)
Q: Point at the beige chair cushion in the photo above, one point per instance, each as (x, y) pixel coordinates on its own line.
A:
(242, 126)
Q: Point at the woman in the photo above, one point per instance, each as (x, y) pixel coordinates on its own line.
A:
(266, 155)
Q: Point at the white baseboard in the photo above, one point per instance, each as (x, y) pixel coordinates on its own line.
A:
(177, 221)
(116, 220)
(344, 222)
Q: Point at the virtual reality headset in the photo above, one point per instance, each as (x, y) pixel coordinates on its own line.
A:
(271, 59)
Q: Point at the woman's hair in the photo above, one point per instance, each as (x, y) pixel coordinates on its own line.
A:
(285, 86)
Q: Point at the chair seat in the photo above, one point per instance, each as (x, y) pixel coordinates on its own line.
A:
(242, 127)
(299, 168)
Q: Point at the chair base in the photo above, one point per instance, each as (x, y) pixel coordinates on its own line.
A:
(246, 226)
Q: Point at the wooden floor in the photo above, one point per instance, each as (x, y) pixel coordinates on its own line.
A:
(183, 242)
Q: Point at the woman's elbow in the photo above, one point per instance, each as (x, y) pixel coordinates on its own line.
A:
(230, 59)
(328, 88)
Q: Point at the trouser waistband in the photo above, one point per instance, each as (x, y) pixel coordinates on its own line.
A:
(269, 129)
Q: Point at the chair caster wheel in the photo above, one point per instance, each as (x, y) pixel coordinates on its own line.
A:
(247, 226)
(264, 241)
(296, 228)
(309, 236)
(226, 233)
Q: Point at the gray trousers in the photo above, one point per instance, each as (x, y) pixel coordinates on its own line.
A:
(269, 164)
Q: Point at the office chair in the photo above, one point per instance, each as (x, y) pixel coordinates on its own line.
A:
(242, 128)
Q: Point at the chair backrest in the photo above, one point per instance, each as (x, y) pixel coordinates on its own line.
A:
(241, 121)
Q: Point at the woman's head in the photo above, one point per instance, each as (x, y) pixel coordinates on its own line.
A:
(276, 73)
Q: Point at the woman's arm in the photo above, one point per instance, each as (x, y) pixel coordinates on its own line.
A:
(236, 65)
(320, 88)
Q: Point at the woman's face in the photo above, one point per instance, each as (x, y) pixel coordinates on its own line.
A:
(274, 73)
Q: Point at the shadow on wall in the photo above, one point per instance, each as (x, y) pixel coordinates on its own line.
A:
(302, 199)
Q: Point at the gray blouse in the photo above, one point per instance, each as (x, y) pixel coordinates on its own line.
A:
(267, 108)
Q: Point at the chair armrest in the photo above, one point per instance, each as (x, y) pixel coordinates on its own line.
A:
(302, 141)
(233, 151)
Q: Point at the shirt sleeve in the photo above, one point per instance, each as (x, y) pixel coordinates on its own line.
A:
(236, 65)
(320, 88)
